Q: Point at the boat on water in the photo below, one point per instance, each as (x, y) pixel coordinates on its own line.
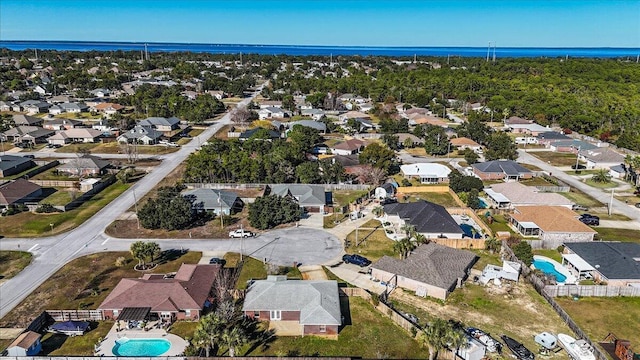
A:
(577, 349)
(491, 344)
(521, 352)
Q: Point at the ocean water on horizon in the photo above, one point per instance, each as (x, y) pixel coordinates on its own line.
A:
(323, 50)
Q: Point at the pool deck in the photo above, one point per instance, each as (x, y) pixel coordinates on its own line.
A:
(178, 344)
(570, 279)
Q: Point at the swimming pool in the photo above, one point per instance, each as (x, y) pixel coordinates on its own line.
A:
(548, 268)
(469, 231)
(483, 203)
(141, 347)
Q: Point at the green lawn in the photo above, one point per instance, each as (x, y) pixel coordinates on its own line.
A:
(52, 174)
(251, 269)
(330, 221)
(184, 329)
(486, 258)
(367, 334)
(60, 197)
(606, 185)
(554, 158)
(581, 198)
(28, 224)
(372, 244)
(444, 199)
(499, 224)
(58, 344)
(345, 197)
(550, 253)
(612, 234)
(12, 262)
(85, 282)
(599, 316)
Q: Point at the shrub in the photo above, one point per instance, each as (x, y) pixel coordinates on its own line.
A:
(46, 209)
(270, 211)
(121, 261)
(523, 251)
(560, 249)
(406, 182)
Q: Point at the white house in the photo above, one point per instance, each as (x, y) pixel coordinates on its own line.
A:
(427, 173)
(270, 113)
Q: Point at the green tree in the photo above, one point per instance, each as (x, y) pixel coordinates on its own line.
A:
(436, 141)
(233, 338)
(169, 210)
(602, 176)
(272, 210)
(493, 245)
(500, 146)
(472, 199)
(308, 173)
(208, 334)
(438, 335)
(391, 141)
(403, 247)
(378, 156)
(470, 156)
(144, 250)
(462, 183)
(523, 251)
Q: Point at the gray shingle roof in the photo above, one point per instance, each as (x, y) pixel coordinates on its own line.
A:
(616, 260)
(317, 300)
(26, 120)
(425, 216)
(508, 167)
(140, 131)
(160, 121)
(307, 195)
(431, 264)
(552, 135)
(11, 161)
(85, 162)
(317, 125)
(209, 198)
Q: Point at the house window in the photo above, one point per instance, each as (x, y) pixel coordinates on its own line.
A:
(256, 314)
(323, 328)
(275, 315)
(187, 313)
(115, 313)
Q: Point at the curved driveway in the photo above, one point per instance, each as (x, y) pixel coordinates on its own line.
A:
(282, 247)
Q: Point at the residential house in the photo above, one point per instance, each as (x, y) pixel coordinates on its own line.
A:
(532, 129)
(601, 158)
(87, 165)
(430, 270)
(311, 198)
(61, 124)
(515, 120)
(140, 134)
(315, 114)
(426, 173)
(507, 170)
(246, 135)
(182, 296)
(27, 344)
(348, 147)
(350, 163)
(60, 99)
(100, 92)
(27, 134)
(570, 146)
(169, 127)
(463, 143)
(408, 139)
(618, 171)
(270, 104)
(353, 115)
(218, 94)
(513, 194)
(216, 201)
(71, 107)
(614, 263)
(11, 165)
(554, 225)
(295, 307)
(108, 108)
(421, 119)
(429, 219)
(386, 191)
(271, 113)
(34, 107)
(549, 137)
(26, 120)
(5, 106)
(18, 192)
(79, 135)
(365, 107)
(316, 125)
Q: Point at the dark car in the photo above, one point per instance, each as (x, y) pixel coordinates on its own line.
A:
(593, 221)
(217, 261)
(578, 167)
(637, 205)
(356, 259)
(589, 216)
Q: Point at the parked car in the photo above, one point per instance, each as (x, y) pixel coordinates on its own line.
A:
(356, 259)
(585, 215)
(578, 167)
(637, 205)
(239, 233)
(579, 208)
(217, 261)
(592, 221)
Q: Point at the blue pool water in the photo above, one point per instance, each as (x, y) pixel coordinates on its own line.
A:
(141, 347)
(548, 268)
(483, 204)
(468, 232)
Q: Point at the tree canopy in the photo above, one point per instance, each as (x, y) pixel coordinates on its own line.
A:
(169, 210)
(272, 210)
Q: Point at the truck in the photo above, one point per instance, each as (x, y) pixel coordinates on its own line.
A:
(239, 233)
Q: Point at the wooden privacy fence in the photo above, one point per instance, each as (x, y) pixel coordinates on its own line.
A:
(539, 285)
(472, 214)
(260, 186)
(591, 290)
(56, 183)
(75, 315)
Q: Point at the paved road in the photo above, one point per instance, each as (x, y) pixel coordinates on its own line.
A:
(598, 194)
(52, 253)
(410, 159)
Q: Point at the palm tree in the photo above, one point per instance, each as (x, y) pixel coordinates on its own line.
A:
(403, 247)
(438, 335)
(208, 335)
(602, 176)
(137, 251)
(233, 337)
(377, 211)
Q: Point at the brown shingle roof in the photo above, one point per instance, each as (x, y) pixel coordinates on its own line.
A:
(552, 218)
(16, 190)
(25, 340)
(350, 145)
(463, 141)
(431, 264)
(187, 290)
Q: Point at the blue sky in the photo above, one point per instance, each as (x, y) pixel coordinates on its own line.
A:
(517, 23)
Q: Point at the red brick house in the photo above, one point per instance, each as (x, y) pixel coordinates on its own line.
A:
(295, 307)
(507, 170)
(179, 297)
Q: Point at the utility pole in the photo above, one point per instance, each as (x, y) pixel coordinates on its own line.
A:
(135, 205)
(578, 158)
(611, 201)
